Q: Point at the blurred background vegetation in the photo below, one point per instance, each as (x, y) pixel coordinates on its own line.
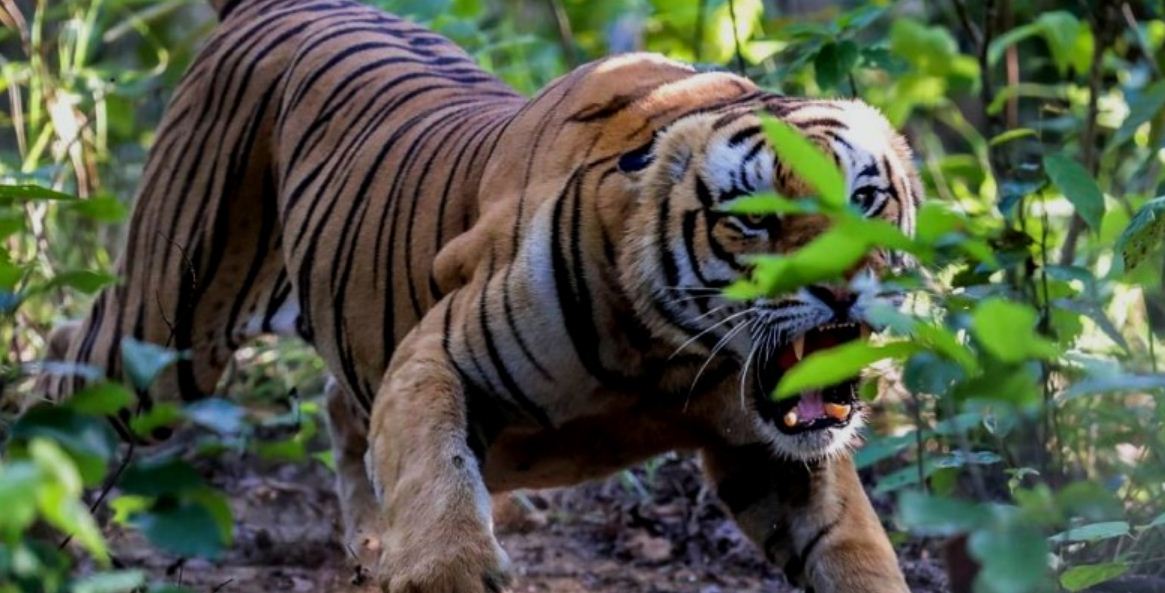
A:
(1040, 123)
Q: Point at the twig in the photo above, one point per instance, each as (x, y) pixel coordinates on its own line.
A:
(698, 42)
(736, 37)
(107, 487)
(565, 32)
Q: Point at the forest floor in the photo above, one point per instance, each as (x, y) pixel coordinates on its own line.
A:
(657, 532)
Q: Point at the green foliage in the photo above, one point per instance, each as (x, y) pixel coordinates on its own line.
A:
(1030, 372)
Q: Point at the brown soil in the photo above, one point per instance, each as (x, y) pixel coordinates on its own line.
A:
(655, 531)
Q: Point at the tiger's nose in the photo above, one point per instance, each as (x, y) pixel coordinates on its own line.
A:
(839, 300)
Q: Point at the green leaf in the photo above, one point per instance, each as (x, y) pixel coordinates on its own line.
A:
(1144, 235)
(1006, 329)
(1113, 384)
(163, 415)
(103, 399)
(59, 501)
(10, 273)
(219, 507)
(183, 529)
(144, 361)
(124, 581)
(1093, 532)
(19, 483)
(935, 515)
(1060, 30)
(1142, 109)
(807, 161)
(827, 367)
(10, 224)
(101, 209)
(217, 414)
(31, 193)
(89, 439)
(1079, 578)
(86, 281)
(1013, 557)
(160, 477)
(1011, 135)
(834, 62)
(1078, 186)
(767, 203)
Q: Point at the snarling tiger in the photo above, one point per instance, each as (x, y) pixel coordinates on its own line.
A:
(509, 292)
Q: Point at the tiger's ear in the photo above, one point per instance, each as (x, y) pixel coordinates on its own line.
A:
(637, 159)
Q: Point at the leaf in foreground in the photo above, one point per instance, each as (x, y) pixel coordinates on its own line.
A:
(828, 367)
(1078, 186)
(1079, 578)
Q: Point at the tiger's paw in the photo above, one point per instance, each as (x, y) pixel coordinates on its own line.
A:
(458, 567)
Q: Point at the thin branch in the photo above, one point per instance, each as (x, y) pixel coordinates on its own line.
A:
(698, 42)
(736, 38)
(565, 33)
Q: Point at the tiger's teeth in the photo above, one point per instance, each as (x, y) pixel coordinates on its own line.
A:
(838, 412)
(865, 331)
(799, 347)
(791, 419)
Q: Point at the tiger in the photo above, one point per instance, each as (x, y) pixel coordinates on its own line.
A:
(507, 292)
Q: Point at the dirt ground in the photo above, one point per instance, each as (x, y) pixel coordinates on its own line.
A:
(641, 531)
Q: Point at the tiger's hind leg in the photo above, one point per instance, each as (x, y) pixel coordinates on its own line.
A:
(348, 427)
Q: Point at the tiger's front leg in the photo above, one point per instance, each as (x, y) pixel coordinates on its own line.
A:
(433, 504)
(812, 519)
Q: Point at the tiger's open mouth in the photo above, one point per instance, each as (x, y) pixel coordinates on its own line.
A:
(830, 407)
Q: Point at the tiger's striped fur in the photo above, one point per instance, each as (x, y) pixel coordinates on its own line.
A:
(508, 292)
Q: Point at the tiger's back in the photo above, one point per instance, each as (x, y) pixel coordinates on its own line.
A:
(312, 161)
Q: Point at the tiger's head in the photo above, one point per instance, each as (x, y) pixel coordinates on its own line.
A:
(682, 249)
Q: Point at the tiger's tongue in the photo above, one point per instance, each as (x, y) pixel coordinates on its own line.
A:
(811, 406)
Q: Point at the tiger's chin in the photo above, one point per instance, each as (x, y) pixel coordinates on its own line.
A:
(814, 424)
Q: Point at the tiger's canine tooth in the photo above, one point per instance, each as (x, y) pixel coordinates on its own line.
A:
(799, 347)
(791, 419)
(838, 412)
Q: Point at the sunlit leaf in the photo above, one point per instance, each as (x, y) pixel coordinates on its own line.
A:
(102, 399)
(101, 209)
(807, 161)
(1006, 329)
(1142, 109)
(827, 367)
(31, 193)
(1011, 135)
(60, 503)
(86, 281)
(1081, 577)
(768, 203)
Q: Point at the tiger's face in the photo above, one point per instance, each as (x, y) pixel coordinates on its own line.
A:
(681, 249)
